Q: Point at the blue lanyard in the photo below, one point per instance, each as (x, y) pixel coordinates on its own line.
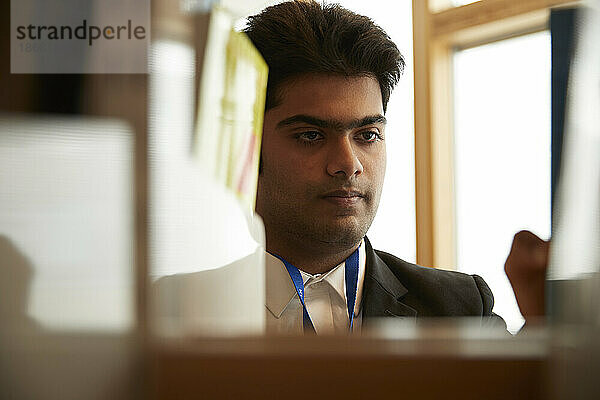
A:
(351, 274)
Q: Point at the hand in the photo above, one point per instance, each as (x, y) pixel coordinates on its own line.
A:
(526, 267)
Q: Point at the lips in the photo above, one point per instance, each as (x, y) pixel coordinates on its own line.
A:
(343, 193)
(344, 198)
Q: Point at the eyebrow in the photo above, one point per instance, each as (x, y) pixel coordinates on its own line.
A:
(332, 123)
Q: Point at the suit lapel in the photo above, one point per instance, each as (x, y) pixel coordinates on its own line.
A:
(382, 290)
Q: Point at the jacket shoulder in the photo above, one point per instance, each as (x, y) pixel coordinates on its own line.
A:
(436, 293)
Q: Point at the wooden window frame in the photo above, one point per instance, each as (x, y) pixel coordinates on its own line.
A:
(436, 35)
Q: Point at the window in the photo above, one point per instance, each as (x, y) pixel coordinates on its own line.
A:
(465, 179)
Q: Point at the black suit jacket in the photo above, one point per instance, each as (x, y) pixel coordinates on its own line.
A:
(393, 287)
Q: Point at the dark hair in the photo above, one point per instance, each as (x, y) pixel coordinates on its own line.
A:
(303, 37)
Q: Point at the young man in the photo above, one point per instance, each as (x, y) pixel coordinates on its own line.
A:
(331, 73)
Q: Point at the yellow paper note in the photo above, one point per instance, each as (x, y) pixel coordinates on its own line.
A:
(231, 108)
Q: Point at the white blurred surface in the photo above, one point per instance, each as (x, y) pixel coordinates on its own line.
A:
(207, 250)
(574, 270)
(195, 223)
(66, 213)
(576, 250)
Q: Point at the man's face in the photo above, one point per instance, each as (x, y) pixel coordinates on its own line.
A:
(323, 161)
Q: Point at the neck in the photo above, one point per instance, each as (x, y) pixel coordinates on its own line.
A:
(311, 260)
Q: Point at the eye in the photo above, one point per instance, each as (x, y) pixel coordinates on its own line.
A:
(369, 136)
(309, 137)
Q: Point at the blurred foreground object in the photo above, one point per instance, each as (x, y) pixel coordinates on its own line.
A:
(574, 269)
(444, 359)
(67, 315)
(573, 279)
(207, 243)
(231, 106)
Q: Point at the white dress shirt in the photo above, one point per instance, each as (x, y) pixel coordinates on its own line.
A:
(324, 296)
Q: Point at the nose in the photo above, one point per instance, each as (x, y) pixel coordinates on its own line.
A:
(342, 159)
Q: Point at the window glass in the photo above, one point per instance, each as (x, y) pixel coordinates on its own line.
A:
(502, 156)
(457, 3)
(441, 5)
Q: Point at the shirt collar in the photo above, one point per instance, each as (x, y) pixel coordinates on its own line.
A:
(335, 277)
(280, 290)
(279, 287)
